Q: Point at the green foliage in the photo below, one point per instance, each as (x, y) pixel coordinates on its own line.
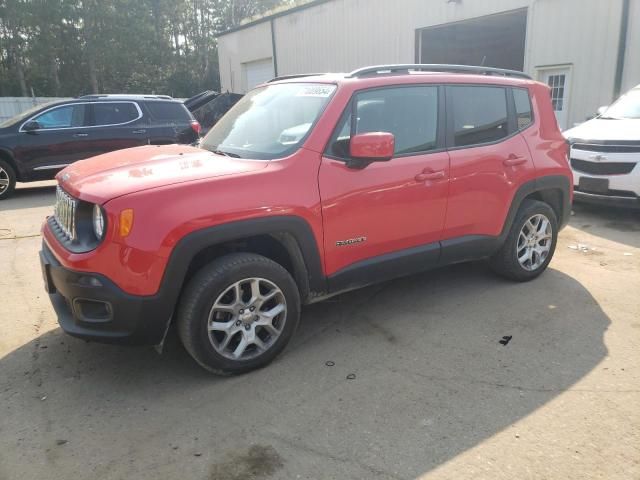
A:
(74, 47)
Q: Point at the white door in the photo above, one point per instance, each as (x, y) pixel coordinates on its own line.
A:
(258, 72)
(558, 80)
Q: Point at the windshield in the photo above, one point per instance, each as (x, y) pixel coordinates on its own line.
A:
(627, 106)
(269, 122)
(23, 116)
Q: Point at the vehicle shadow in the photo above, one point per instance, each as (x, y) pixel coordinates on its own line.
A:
(616, 224)
(29, 197)
(386, 382)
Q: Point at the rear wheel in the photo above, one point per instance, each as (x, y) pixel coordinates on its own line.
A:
(7, 179)
(530, 245)
(238, 313)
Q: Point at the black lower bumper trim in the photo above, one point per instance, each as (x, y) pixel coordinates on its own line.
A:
(612, 200)
(92, 307)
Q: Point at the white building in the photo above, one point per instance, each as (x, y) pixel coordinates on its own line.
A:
(588, 50)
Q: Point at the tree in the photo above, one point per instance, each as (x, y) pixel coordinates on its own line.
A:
(73, 47)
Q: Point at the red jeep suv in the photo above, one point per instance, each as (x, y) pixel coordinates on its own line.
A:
(308, 187)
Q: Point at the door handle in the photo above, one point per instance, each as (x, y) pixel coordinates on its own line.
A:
(140, 131)
(429, 175)
(514, 160)
(80, 134)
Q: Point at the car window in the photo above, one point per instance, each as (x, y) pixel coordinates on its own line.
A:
(114, 113)
(523, 107)
(479, 114)
(269, 122)
(168, 111)
(66, 116)
(409, 113)
(24, 115)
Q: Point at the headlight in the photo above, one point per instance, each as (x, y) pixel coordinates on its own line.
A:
(98, 222)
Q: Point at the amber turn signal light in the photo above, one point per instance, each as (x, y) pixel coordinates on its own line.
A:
(126, 222)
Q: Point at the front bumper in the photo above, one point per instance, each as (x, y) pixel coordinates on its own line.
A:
(610, 200)
(617, 173)
(92, 307)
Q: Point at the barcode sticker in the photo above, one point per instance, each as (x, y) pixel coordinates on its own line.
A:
(322, 91)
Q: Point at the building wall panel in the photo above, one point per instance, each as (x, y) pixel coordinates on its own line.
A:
(583, 34)
(239, 47)
(631, 74)
(341, 35)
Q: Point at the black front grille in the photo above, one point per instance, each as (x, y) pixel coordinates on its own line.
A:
(590, 147)
(602, 168)
(64, 213)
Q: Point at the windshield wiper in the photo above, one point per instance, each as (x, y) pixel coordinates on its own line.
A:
(605, 117)
(226, 154)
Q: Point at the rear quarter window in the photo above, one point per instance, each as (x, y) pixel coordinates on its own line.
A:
(523, 108)
(168, 112)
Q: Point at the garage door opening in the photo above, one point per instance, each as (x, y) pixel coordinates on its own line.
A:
(258, 72)
(492, 41)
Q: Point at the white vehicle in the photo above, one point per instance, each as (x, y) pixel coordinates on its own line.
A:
(605, 154)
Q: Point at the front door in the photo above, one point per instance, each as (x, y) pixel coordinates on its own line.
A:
(558, 80)
(386, 207)
(60, 140)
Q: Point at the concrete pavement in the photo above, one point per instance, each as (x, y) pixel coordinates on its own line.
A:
(435, 394)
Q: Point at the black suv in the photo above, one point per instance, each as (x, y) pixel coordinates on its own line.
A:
(36, 144)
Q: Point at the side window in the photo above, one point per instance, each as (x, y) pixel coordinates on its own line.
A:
(67, 116)
(168, 111)
(114, 113)
(523, 107)
(479, 114)
(410, 113)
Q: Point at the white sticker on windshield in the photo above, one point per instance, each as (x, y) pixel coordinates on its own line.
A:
(316, 91)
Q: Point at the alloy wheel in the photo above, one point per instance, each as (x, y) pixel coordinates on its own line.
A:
(534, 242)
(247, 318)
(4, 180)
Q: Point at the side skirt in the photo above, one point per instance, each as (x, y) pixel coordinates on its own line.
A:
(411, 261)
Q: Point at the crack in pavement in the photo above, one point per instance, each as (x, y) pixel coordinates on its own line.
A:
(20, 237)
(507, 386)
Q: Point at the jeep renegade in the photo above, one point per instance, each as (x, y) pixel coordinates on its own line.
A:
(309, 186)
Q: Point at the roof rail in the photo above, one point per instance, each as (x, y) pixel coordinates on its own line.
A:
(406, 68)
(297, 75)
(123, 95)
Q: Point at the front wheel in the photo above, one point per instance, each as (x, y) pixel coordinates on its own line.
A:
(7, 180)
(238, 313)
(530, 244)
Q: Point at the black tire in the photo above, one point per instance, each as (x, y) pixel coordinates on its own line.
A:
(7, 173)
(505, 262)
(207, 285)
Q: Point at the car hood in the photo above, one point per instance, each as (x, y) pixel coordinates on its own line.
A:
(102, 178)
(601, 130)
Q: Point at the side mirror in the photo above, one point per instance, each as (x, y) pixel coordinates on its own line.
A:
(372, 146)
(603, 109)
(31, 126)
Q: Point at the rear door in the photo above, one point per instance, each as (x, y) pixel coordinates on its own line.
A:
(489, 158)
(114, 126)
(169, 122)
(387, 207)
(60, 140)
